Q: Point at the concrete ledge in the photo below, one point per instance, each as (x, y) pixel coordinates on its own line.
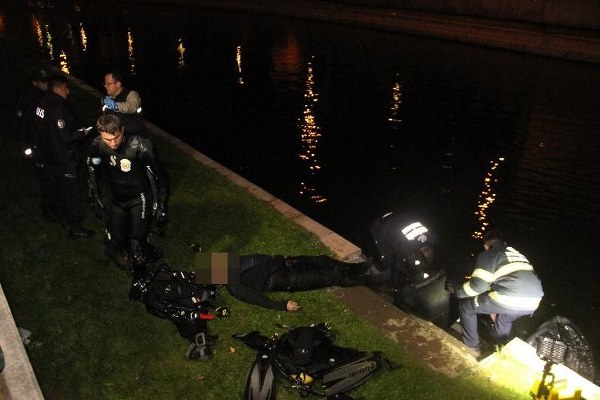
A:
(17, 381)
(432, 345)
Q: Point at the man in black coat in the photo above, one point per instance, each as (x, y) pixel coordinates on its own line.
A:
(59, 143)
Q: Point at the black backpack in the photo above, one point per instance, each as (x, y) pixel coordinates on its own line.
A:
(174, 295)
(304, 355)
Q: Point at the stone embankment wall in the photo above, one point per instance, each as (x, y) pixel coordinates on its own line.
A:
(579, 14)
(568, 29)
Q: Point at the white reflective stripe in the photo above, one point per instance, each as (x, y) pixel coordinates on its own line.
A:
(514, 256)
(139, 110)
(512, 267)
(413, 230)
(524, 303)
(483, 275)
(143, 197)
(468, 291)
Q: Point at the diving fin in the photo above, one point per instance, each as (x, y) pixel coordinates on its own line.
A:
(349, 376)
(261, 380)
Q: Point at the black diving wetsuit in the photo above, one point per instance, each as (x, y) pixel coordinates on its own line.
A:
(417, 283)
(136, 185)
(263, 273)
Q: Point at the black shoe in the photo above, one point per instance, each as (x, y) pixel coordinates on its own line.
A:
(79, 232)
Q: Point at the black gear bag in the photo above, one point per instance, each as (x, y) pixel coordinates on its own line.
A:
(174, 295)
(303, 356)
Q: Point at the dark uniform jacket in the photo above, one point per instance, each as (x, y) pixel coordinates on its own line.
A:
(59, 139)
(507, 277)
(131, 169)
(255, 273)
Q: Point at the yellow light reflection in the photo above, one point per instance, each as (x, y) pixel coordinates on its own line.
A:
(181, 54)
(37, 27)
(238, 61)
(64, 64)
(310, 133)
(487, 197)
(395, 103)
(130, 52)
(83, 37)
(48, 43)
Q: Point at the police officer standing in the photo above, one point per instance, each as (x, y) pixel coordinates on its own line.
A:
(59, 142)
(124, 103)
(137, 187)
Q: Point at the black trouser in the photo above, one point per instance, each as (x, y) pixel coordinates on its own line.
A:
(60, 193)
(314, 272)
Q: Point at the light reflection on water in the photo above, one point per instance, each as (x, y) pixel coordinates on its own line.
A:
(464, 135)
(310, 134)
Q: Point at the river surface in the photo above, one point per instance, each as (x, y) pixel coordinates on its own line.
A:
(346, 124)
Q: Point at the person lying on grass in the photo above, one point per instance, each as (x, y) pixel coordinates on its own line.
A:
(262, 273)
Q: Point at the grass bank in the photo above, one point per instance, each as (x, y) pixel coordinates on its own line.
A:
(90, 342)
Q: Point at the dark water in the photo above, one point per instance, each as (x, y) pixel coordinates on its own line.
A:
(346, 124)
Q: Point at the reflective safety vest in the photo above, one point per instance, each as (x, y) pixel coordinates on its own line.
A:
(507, 276)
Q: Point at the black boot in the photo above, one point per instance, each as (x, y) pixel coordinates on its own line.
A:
(137, 262)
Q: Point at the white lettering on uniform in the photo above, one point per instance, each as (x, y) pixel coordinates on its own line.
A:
(39, 112)
(113, 161)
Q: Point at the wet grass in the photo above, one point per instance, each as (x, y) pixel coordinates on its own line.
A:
(90, 342)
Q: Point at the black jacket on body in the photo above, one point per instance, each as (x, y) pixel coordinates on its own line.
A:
(255, 273)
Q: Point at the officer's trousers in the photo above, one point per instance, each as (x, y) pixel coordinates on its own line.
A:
(471, 306)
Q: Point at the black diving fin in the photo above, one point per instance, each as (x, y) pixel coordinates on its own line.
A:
(349, 376)
(261, 380)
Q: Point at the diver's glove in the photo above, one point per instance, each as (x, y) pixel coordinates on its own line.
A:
(450, 286)
(96, 203)
(110, 103)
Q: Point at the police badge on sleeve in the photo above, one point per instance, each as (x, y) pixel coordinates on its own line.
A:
(60, 123)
